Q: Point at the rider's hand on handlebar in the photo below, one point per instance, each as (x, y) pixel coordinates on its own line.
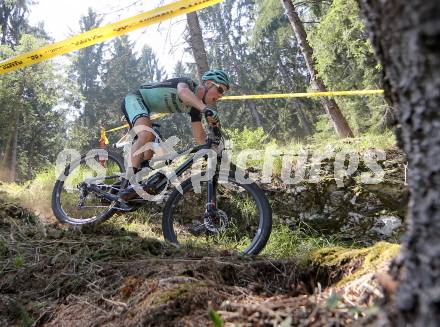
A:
(211, 117)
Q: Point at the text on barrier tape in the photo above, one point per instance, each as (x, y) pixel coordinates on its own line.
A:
(103, 33)
(301, 95)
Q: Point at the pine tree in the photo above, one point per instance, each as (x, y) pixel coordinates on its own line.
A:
(332, 109)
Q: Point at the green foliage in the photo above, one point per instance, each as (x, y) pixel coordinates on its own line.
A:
(27, 98)
(344, 55)
(13, 18)
(215, 318)
(345, 61)
(105, 73)
(253, 41)
(248, 139)
(270, 14)
(384, 140)
(149, 67)
(18, 261)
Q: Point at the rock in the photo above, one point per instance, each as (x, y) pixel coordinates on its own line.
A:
(317, 216)
(300, 189)
(353, 199)
(337, 198)
(386, 225)
(361, 212)
(354, 217)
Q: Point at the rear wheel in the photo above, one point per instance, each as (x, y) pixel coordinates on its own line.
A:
(242, 220)
(73, 201)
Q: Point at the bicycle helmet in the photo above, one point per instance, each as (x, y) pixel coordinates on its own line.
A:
(217, 75)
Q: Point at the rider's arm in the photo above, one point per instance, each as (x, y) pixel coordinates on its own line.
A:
(188, 97)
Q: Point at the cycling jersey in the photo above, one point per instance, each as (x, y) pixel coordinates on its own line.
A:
(158, 97)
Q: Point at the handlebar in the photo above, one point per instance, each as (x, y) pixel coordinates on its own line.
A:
(215, 135)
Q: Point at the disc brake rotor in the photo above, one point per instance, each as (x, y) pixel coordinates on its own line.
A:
(216, 223)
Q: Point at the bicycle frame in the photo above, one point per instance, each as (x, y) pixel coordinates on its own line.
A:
(187, 164)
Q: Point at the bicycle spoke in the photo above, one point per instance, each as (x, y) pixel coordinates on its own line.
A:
(79, 198)
(233, 224)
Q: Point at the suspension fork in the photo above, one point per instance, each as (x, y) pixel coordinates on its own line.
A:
(212, 194)
(211, 204)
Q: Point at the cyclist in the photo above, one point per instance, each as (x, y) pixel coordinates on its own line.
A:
(173, 95)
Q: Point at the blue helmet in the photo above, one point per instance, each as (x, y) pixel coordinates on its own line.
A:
(217, 75)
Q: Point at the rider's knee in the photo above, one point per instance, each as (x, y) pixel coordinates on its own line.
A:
(144, 137)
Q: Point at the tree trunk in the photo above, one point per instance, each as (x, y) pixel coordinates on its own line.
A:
(254, 112)
(9, 162)
(302, 118)
(339, 122)
(406, 37)
(5, 11)
(196, 43)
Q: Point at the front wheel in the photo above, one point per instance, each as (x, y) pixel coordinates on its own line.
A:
(73, 200)
(242, 219)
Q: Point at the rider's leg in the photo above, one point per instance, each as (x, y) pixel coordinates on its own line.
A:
(138, 154)
(137, 115)
(144, 136)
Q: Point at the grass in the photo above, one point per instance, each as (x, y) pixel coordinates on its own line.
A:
(37, 189)
(247, 140)
(284, 242)
(300, 242)
(142, 222)
(35, 194)
(361, 143)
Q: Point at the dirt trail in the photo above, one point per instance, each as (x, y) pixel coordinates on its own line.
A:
(50, 276)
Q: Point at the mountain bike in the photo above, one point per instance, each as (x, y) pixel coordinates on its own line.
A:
(214, 205)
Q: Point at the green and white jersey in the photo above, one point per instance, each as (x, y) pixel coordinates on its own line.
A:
(162, 96)
(158, 97)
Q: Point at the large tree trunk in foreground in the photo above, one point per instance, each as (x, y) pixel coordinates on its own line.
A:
(406, 37)
(196, 43)
(339, 122)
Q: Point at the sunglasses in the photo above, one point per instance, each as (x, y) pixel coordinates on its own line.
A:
(220, 90)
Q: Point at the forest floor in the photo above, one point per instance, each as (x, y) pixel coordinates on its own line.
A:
(321, 267)
(108, 276)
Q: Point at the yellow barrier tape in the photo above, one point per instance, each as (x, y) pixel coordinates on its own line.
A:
(301, 95)
(103, 33)
(270, 96)
(103, 136)
(118, 128)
